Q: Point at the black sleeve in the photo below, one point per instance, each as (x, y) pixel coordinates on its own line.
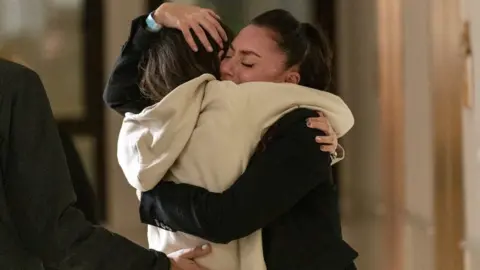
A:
(122, 92)
(86, 200)
(13, 254)
(275, 180)
(38, 188)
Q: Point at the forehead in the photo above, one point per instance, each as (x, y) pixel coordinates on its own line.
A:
(257, 39)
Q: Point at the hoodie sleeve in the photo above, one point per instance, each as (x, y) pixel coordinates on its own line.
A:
(13, 255)
(150, 142)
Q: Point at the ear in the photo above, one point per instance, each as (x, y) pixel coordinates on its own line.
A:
(292, 77)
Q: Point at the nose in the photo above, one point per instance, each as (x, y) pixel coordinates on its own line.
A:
(226, 70)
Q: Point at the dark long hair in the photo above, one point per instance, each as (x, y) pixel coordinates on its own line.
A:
(303, 44)
(170, 62)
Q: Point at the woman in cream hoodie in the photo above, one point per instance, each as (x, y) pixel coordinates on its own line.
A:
(188, 134)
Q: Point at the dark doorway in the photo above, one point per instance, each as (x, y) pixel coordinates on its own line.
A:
(91, 124)
(325, 17)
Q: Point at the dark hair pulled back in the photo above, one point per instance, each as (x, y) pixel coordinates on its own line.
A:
(303, 44)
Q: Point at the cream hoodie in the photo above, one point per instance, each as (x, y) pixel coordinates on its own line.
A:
(203, 133)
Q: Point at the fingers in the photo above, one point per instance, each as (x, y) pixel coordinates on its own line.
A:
(328, 148)
(326, 140)
(201, 36)
(194, 253)
(207, 20)
(330, 141)
(320, 124)
(202, 22)
(212, 13)
(211, 28)
(189, 38)
(215, 20)
(218, 28)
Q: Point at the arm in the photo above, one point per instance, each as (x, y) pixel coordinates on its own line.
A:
(273, 183)
(12, 254)
(39, 193)
(122, 92)
(81, 184)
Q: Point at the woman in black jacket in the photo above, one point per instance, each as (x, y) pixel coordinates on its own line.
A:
(287, 188)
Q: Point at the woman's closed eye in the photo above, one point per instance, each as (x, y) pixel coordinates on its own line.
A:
(248, 60)
(248, 65)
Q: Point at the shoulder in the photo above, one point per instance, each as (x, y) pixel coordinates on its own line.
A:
(294, 122)
(15, 78)
(295, 116)
(291, 137)
(9, 69)
(293, 132)
(213, 82)
(225, 89)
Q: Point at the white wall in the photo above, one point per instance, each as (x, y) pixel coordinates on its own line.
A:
(122, 204)
(471, 139)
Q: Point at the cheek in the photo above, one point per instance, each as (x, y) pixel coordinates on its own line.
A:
(248, 74)
(223, 66)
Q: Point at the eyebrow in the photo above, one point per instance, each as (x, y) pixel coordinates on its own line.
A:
(246, 52)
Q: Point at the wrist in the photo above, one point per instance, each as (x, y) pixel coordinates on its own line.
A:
(172, 265)
(151, 24)
(157, 15)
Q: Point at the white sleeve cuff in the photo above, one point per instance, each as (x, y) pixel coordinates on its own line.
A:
(152, 25)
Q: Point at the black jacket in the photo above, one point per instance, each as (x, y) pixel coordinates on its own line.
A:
(84, 192)
(287, 188)
(39, 228)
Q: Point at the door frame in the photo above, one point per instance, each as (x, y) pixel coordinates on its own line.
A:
(448, 76)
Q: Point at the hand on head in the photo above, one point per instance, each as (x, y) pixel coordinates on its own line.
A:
(186, 17)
